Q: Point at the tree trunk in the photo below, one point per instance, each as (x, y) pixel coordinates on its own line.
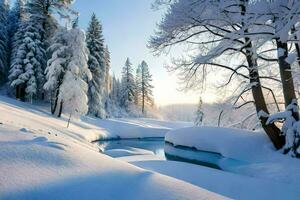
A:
(286, 75)
(18, 92)
(54, 106)
(21, 91)
(143, 103)
(60, 109)
(260, 104)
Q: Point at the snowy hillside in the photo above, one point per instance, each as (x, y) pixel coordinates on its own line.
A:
(41, 159)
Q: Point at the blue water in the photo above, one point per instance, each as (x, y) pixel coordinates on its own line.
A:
(169, 152)
(156, 145)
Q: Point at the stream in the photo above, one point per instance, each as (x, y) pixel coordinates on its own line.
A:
(163, 151)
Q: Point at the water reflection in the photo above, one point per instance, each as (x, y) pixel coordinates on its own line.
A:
(156, 145)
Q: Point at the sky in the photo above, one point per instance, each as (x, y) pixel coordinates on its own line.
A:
(127, 27)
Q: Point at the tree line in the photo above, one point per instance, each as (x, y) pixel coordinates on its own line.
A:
(40, 59)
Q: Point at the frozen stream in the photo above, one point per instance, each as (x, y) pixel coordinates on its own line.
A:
(154, 145)
(163, 151)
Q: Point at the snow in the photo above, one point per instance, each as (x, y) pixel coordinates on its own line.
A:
(221, 182)
(240, 152)
(49, 161)
(223, 140)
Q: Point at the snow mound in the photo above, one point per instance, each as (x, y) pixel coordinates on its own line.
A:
(231, 143)
(253, 153)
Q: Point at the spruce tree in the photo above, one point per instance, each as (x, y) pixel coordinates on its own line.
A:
(128, 86)
(97, 66)
(27, 65)
(4, 40)
(107, 68)
(138, 89)
(16, 17)
(16, 14)
(145, 86)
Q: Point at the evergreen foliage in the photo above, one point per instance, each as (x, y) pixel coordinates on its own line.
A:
(28, 61)
(128, 86)
(4, 40)
(97, 66)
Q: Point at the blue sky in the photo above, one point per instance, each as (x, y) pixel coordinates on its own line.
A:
(127, 27)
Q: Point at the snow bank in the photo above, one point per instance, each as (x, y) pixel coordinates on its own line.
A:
(231, 143)
(243, 152)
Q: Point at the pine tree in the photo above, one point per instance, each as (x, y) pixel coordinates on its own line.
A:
(138, 89)
(4, 40)
(107, 69)
(28, 61)
(128, 86)
(107, 79)
(199, 114)
(66, 72)
(17, 15)
(97, 66)
(145, 86)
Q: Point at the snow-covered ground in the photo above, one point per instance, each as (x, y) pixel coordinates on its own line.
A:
(276, 174)
(41, 159)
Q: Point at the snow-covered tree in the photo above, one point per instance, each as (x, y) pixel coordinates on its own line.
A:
(138, 80)
(107, 69)
(57, 66)
(220, 31)
(128, 86)
(67, 71)
(16, 16)
(4, 40)
(97, 66)
(144, 87)
(199, 114)
(28, 61)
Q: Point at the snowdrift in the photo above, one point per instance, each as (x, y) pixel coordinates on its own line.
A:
(242, 152)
